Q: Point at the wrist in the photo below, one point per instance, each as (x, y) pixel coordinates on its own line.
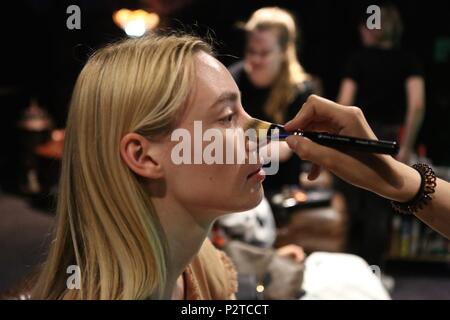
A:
(423, 195)
(410, 181)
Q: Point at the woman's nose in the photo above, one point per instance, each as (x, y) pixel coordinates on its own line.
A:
(254, 58)
(256, 137)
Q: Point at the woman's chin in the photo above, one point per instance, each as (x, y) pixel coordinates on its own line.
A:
(254, 198)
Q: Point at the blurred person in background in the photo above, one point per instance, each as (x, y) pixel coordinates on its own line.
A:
(387, 82)
(272, 81)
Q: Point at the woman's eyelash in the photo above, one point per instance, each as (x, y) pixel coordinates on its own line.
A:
(228, 118)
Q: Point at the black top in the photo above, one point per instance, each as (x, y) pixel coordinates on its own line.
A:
(381, 77)
(253, 101)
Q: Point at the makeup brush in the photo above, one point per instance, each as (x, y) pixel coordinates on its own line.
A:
(276, 132)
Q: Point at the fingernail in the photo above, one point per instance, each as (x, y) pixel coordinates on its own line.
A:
(288, 123)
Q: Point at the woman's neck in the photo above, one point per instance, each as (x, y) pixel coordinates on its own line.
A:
(385, 45)
(261, 81)
(185, 236)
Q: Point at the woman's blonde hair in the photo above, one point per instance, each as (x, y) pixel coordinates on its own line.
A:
(106, 224)
(291, 74)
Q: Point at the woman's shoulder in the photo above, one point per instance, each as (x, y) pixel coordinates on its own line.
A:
(211, 275)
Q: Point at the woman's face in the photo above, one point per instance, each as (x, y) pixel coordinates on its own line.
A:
(210, 190)
(369, 37)
(263, 56)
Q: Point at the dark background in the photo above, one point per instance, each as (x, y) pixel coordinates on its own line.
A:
(42, 58)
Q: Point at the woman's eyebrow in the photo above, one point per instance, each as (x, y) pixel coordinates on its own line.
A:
(228, 96)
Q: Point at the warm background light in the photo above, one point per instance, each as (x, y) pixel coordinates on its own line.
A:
(135, 22)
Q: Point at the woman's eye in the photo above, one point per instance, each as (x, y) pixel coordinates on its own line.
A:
(228, 119)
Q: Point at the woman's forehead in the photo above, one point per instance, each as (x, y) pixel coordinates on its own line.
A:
(212, 80)
(206, 61)
(212, 77)
(263, 39)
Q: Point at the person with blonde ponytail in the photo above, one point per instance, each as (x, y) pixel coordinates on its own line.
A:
(272, 81)
(133, 222)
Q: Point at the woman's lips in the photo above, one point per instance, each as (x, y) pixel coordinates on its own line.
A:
(258, 175)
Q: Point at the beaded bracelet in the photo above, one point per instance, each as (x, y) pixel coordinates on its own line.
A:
(423, 196)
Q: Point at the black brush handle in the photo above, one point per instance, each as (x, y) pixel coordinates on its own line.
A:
(341, 142)
(351, 143)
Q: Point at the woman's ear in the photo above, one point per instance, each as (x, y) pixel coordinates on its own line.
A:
(140, 155)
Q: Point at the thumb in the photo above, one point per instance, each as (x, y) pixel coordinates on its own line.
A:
(301, 146)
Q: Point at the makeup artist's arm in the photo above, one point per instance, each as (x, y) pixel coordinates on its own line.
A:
(380, 174)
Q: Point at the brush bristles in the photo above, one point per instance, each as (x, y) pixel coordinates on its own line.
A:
(264, 129)
(258, 124)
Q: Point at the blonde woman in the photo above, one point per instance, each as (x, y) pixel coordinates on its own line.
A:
(132, 220)
(271, 79)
